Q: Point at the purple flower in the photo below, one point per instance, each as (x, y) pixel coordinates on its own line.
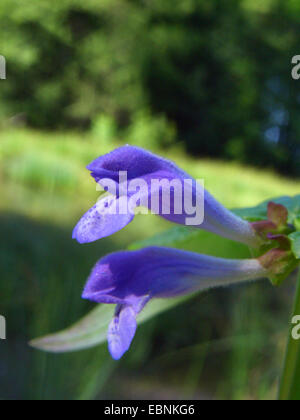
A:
(127, 170)
(130, 279)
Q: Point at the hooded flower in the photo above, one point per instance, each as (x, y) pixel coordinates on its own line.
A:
(130, 279)
(162, 179)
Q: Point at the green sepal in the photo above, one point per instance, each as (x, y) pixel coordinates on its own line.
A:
(295, 243)
(279, 265)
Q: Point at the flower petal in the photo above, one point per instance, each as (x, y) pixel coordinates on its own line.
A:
(100, 221)
(127, 277)
(135, 160)
(121, 331)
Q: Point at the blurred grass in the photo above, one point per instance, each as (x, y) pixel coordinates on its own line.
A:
(225, 344)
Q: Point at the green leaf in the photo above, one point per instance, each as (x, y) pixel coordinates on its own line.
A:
(297, 223)
(295, 240)
(92, 329)
(192, 239)
(294, 209)
(177, 234)
(196, 240)
(259, 212)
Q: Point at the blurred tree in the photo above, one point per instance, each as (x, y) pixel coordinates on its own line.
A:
(219, 70)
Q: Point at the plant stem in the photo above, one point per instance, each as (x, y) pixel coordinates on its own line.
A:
(290, 381)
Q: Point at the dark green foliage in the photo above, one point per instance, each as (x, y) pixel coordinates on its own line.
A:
(220, 71)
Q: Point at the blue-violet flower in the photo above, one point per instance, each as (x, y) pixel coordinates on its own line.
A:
(138, 166)
(130, 279)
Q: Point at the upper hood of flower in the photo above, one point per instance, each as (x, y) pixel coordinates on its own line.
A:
(136, 161)
(127, 276)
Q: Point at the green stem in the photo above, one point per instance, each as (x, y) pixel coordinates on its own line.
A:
(290, 381)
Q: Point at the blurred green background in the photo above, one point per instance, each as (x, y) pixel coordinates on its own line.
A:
(206, 83)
